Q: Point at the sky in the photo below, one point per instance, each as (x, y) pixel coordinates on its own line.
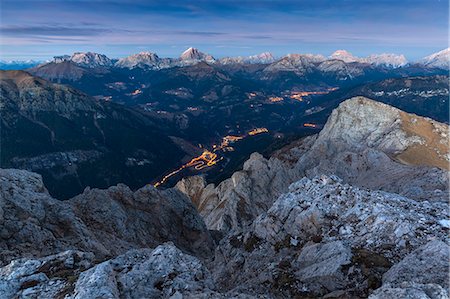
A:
(41, 29)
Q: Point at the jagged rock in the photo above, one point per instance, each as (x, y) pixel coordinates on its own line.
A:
(347, 238)
(164, 272)
(43, 278)
(409, 291)
(429, 264)
(237, 201)
(145, 274)
(321, 264)
(106, 222)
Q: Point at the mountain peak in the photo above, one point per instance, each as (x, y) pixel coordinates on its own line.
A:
(146, 58)
(194, 54)
(90, 59)
(265, 57)
(344, 55)
(387, 59)
(439, 59)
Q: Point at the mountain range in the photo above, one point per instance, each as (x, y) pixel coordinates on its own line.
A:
(193, 55)
(188, 108)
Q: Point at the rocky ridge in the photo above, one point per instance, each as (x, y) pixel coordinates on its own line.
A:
(105, 222)
(366, 143)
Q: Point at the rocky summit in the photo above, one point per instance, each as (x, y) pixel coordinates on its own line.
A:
(359, 210)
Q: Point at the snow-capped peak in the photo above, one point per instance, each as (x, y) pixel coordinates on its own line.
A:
(195, 54)
(439, 59)
(265, 57)
(345, 56)
(90, 59)
(386, 59)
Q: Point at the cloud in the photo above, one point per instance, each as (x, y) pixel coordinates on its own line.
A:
(51, 30)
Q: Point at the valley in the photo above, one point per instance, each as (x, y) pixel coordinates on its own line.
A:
(209, 158)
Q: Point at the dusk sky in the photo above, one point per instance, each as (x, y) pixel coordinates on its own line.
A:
(35, 29)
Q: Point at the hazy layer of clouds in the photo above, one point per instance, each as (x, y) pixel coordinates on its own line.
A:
(43, 28)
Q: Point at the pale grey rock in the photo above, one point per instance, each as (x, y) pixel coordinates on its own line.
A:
(90, 59)
(47, 277)
(410, 291)
(322, 263)
(325, 238)
(361, 143)
(106, 222)
(193, 55)
(427, 264)
(263, 58)
(300, 64)
(439, 59)
(366, 219)
(384, 59)
(237, 201)
(97, 282)
(139, 60)
(165, 272)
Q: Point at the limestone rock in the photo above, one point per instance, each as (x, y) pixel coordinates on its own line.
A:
(43, 278)
(429, 264)
(325, 238)
(106, 222)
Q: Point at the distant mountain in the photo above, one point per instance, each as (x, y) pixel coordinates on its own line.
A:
(59, 70)
(298, 63)
(263, 58)
(344, 55)
(193, 54)
(84, 59)
(385, 59)
(90, 59)
(17, 64)
(75, 141)
(142, 59)
(440, 59)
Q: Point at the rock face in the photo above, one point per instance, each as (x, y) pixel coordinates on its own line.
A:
(366, 143)
(106, 222)
(300, 64)
(374, 145)
(143, 59)
(159, 273)
(325, 237)
(421, 274)
(193, 54)
(385, 59)
(322, 238)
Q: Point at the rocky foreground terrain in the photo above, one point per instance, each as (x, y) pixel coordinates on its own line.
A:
(359, 210)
